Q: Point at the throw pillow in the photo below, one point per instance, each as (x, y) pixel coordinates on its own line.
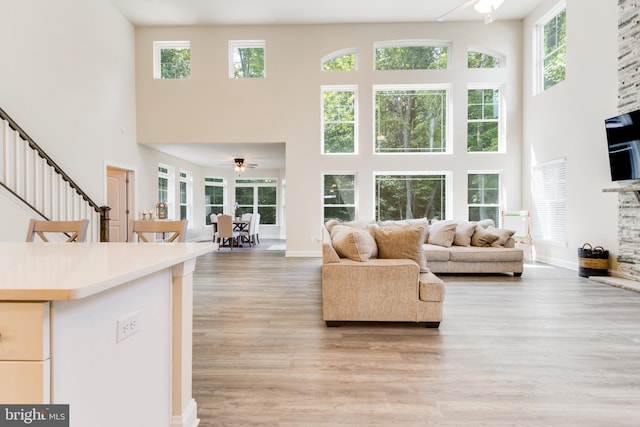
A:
(503, 236)
(353, 243)
(442, 233)
(464, 231)
(416, 222)
(482, 237)
(484, 223)
(401, 243)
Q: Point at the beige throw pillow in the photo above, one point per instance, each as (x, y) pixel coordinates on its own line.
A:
(401, 243)
(503, 236)
(482, 237)
(442, 233)
(464, 231)
(352, 243)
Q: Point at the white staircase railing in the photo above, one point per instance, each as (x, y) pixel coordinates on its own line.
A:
(30, 175)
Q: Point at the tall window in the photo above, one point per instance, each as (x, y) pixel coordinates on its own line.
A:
(186, 196)
(247, 59)
(171, 60)
(483, 120)
(483, 196)
(550, 202)
(258, 195)
(411, 119)
(339, 200)
(401, 196)
(411, 55)
(551, 34)
(165, 187)
(484, 59)
(343, 60)
(214, 192)
(339, 126)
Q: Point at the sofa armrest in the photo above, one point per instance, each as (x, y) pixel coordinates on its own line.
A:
(329, 254)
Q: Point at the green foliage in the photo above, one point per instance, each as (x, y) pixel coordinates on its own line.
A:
(410, 196)
(341, 63)
(249, 62)
(411, 58)
(483, 196)
(483, 114)
(554, 49)
(339, 121)
(482, 60)
(175, 63)
(339, 197)
(410, 120)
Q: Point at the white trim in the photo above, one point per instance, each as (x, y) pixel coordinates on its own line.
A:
(241, 44)
(338, 54)
(157, 48)
(502, 110)
(413, 43)
(340, 88)
(448, 149)
(538, 46)
(502, 59)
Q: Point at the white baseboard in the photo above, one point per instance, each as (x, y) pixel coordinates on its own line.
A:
(304, 254)
(189, 417)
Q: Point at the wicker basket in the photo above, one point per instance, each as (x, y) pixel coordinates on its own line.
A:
(593, 261)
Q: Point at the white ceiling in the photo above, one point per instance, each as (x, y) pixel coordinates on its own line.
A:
(276, 12)
(288, 12)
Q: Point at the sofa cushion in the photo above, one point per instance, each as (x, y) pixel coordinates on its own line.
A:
(435, 253)
(482, 237)
(361, 225)
(353, 243)
(416, 222)
(431, 288)
(503, 236)
(488, 254)
(401, 243)
(442, 233)
(487, 222)
(464, 231)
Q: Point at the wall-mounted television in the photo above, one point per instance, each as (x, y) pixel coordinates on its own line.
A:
(623, 140)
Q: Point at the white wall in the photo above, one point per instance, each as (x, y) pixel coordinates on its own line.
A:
(67, 78)
(568, 121)
(285, 107)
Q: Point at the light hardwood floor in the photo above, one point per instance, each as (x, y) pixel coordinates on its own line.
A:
(547, 349)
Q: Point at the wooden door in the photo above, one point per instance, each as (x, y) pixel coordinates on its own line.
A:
(119, 197)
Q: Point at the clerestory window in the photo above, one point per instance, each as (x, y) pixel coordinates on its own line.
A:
(171, 60)
(247, 59)
(551, 33)
(411, 55)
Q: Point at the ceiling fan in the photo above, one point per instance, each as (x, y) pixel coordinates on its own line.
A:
(240, 165)
(484, 7)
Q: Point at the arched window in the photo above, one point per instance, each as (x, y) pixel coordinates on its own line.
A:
(480, 58)
(341, 60)
(411, 55)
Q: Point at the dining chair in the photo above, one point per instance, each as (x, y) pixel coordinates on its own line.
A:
(214, 226)
(256, 236)
(74, 231)
(248, 234)
(177, 230)
(225, 231)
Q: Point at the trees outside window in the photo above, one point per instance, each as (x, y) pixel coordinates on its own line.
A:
(258, 196)
(411, 55)
(411, 119)
(214, 195)
(340, 61)
(551, 36)
(172, 60)
(339, 197)
(483, 196)
(247, 59)
(483, 120)
(479, 59)
(339, 112)
(400, 196)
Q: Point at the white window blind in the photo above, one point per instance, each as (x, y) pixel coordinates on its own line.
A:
(550, 202)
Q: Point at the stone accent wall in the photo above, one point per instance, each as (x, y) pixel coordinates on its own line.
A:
(629, 235)
(629, 100)
(629, 55)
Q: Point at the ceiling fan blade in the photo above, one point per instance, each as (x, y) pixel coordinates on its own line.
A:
(457, 8)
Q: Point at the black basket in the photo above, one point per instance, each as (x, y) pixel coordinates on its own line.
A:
(593, 261)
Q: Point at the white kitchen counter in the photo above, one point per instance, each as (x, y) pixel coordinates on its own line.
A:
(63, 271)
(105, 328)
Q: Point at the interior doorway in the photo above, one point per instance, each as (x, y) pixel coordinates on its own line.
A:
(120, 185)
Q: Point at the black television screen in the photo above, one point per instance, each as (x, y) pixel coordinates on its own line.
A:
(623, 139)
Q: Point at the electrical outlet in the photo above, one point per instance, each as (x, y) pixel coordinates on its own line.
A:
(128, 326)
